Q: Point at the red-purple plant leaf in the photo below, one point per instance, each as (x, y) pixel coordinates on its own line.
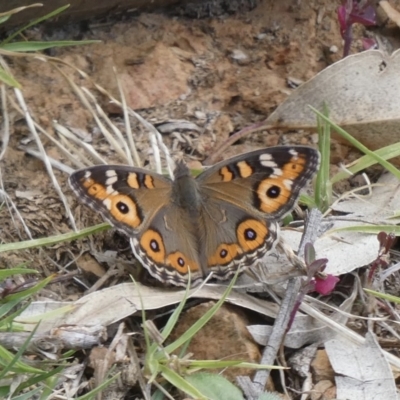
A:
(369, 43)
(309, 253)
(365, 16)
(325, 285)
(351, 12)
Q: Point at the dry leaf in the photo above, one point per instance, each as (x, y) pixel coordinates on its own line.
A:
(363, 372)
(338, 246)
(380, 207)
(361, 93)
(107, 306)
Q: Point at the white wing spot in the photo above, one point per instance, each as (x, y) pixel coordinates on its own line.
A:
(111, 180)
(110, 190)
(87, 174)
(277, 172)
(288, 183)
(107, 203)
(267, 160)
(294, 153)
(110, 173)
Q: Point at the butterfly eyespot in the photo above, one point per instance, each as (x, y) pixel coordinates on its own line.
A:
(223, 253)
(122, 207)
(154, 245)
(250, 234)
(273, 192)
(181, 261)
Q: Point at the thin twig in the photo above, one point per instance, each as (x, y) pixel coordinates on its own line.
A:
(281, 322)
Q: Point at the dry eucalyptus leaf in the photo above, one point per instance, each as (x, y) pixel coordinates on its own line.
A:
(362, 370)
(361, 93)
(345, 251)
(379, 207)
(107, 306)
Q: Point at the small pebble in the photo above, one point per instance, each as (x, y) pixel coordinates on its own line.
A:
(200, 115)
(333, 49)
(239, 55)
(261, 36)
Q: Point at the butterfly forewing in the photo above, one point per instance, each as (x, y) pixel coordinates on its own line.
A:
(266, 182)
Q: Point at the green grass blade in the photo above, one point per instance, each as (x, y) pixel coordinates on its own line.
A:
(213, 364)
(366, 161)
(323, 186)
(387, 165)
(26, 396)
(173, 319)
(214, 387)
(35, 22)
(180, 383)
(98, 389)
(5, 273)
(384, 296)
(8, 79)
(7, 322)
(48, 241)
(29, 292)
(372, 229)
(4, 18)
(202, 321)
(12, 362)
(49, 385)
(24, 47)
(35, 380)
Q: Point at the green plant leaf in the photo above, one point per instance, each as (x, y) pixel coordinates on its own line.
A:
(214, 387)
(34, 22)
(181, 383)
(48, 241)
(387, 165)
(5, 273)
(8, 79)
(202, 321)
(228, 363)
(19, 47)
(92, 394)
(7, 307)
(4, 18)
(323, 186)
(366, 161)
(374, 229)
(25, 396)
(385, 296)
(29, 292)
(40, 378)
(11, 362)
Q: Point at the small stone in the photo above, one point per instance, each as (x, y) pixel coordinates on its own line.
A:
(314, 138)
(200, 115)
(240, 57)
(261, 36)
(333, 49)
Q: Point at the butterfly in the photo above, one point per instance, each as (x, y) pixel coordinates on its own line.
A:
(221, 221)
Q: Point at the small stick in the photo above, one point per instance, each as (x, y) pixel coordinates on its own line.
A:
(252, 390)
